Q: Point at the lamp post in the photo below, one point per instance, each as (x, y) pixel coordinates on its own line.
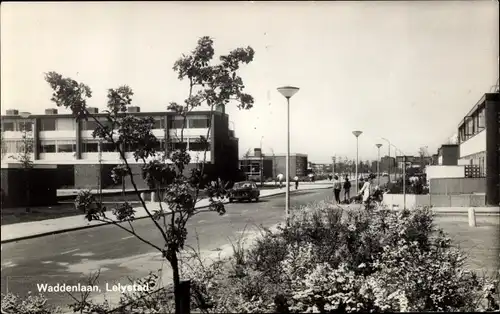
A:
(357, 134)
(378, 163)
(287, 92)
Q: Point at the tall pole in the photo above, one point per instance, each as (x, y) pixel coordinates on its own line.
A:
(378, 163)
(357, 162)
(287, 92)
(287, 202)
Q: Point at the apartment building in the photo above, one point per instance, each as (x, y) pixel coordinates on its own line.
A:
(60, 139)
(479, 143)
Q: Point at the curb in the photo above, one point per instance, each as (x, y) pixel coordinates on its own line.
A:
(204, 209)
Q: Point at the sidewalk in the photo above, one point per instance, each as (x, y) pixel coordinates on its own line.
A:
(28, 230)
(69, 192)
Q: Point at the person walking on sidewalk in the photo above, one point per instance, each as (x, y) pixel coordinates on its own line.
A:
(367, 189)
(296, 179)
(280, 179)
(336, 188)
(347, 190)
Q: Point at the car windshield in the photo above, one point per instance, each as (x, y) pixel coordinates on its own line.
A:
(242, 185)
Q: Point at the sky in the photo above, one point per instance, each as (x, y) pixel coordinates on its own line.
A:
(405, 71)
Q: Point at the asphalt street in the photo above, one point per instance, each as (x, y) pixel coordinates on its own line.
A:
(68, 258)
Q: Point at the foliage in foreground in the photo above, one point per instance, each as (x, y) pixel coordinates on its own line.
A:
(327, 261)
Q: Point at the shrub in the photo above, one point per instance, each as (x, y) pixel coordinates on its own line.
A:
(330, 260)
(32, 304)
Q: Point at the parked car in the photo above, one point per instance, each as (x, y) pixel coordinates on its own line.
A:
(385, 174)
(245, 190)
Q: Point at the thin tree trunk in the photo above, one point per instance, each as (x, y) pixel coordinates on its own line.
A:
(177, 293)
(28, 209)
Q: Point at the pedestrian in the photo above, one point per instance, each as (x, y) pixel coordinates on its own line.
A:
(367, 189)
(280, 180)
(330, 177)
(296, 179)
(336, 188)
(347, 189)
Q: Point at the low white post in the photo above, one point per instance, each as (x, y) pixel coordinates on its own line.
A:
(143, 196)
(153, 197)
(472, 217)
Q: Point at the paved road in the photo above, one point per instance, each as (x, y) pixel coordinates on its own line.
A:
(68, 258)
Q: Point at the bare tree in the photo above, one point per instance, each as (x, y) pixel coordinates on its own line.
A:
(209, 84)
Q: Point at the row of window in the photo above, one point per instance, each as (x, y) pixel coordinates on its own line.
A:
(473, 125)
(17, 126)
(68, 146)
(53, 124)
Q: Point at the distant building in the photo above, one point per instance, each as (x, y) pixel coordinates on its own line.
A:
(448, 155)
(479, 143)
(81, 160)
(320, 169)
(387, 164)
(272, 165)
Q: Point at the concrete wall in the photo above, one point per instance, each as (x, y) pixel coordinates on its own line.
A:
(473, 145)
(412, 200)
(436, 172)
(454, 186)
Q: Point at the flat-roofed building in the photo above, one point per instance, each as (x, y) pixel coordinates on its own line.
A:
(60, 139)
(479, 143)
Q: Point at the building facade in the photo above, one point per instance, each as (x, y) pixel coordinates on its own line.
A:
(479, 143)
(272, 165)
(388, 164)
(448, 155)
(60, 139)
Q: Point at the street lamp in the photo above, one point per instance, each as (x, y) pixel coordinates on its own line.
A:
(287, 92)
(378, 162)
(357, 134)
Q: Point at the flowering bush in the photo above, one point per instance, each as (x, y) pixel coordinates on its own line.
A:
(32, 304)
(329, 260)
